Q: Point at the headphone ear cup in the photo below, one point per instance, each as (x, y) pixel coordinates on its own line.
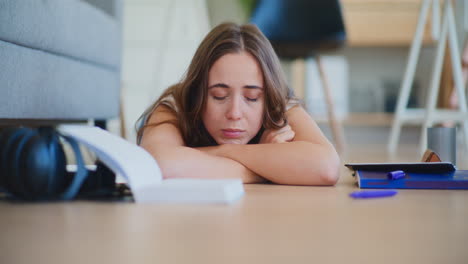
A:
(11, 157)
(58, 177)
(42, 164)
(5, 134)
(34, 167)
(32, 163)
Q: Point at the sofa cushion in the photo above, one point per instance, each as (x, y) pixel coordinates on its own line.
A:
(41, 85)
(60, 60)
(71, 28)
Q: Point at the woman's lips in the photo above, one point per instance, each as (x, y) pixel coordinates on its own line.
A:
(232, 133)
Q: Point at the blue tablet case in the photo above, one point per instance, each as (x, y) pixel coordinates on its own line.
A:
(449, 180)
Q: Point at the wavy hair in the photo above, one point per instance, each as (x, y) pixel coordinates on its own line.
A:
(187, 99)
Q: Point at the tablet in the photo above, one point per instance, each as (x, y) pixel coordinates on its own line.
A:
(423, 167)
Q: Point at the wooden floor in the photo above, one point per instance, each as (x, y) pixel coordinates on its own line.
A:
(270, 224)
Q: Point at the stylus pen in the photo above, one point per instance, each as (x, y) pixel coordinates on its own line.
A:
(372, 194)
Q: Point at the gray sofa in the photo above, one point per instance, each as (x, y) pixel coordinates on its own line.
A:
(59, 60)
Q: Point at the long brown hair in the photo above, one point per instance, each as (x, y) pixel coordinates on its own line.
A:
(187, 99)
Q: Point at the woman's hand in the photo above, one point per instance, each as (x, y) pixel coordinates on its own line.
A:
(282, 135)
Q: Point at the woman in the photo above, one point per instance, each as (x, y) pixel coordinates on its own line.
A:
(233, 116)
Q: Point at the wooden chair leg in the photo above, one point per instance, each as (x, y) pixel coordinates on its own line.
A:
(298, 72)
(335, 125)
(123, 132)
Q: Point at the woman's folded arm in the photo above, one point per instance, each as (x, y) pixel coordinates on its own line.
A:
(308, 159)
(186, 162)
(295, 163)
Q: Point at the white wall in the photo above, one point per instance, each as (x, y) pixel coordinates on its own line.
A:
(376, 73)
(159, 40)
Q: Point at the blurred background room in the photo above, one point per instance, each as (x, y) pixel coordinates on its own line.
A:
(364, 72)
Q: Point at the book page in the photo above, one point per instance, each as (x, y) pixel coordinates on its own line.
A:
(134, 163)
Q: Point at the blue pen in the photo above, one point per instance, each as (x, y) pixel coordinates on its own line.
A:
(372, 194)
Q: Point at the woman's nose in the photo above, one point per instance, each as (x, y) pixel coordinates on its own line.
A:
(234, 111)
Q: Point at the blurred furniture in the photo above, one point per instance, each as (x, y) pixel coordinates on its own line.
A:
(430, 115)
(365, 20)
(59, 60)
(299, 29)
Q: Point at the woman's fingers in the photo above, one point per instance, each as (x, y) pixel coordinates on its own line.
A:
(289, 135)
(284, 129)
(282, 135)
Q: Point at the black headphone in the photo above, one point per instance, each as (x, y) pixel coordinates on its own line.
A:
(33, 167)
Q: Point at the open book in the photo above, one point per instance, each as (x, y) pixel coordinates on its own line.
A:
(143, 174)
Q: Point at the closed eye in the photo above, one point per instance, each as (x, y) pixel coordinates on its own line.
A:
(219, 98)
(251, 99)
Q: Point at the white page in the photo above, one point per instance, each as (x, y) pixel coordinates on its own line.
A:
(134, 163)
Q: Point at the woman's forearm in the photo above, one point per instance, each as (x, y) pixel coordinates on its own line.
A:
(295, 163)
(185, 162)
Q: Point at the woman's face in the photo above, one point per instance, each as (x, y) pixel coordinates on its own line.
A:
(235, 103)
